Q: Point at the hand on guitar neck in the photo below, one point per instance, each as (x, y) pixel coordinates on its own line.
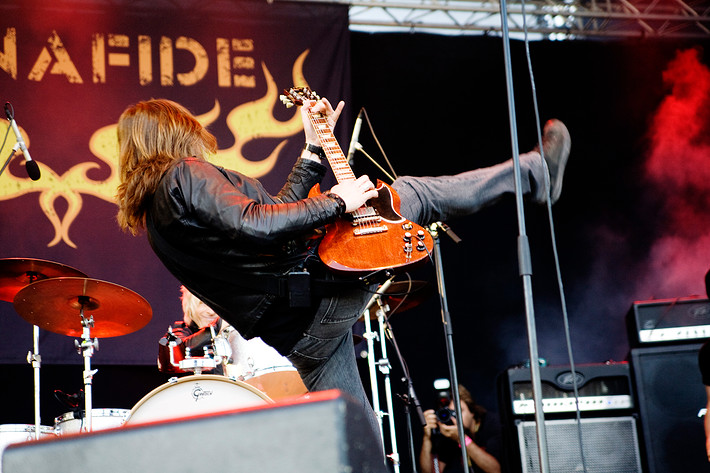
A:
(323, 108)
(354, 193)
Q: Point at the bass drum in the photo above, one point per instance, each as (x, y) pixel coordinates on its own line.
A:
(72, 423)
(195, 395)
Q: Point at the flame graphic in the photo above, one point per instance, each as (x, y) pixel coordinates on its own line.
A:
(247, 122)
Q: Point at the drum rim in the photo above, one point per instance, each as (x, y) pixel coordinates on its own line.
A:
(190, 378)
(27, 428)
(270, 369)
(96, 412)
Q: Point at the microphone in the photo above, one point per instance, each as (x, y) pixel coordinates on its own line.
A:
(30, 165)
(353, 141)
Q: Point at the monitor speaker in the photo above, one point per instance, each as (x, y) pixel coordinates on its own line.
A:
(327, 432)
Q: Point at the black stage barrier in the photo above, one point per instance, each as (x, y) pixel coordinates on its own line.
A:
(326, 432)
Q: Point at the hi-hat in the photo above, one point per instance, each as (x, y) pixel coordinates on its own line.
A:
(16, 273)
(56, 305)
(404, 295)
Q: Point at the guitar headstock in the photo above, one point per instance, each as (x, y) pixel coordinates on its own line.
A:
(297, 95)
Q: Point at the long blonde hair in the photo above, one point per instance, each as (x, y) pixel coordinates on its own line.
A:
(152, 135)
(192, 308)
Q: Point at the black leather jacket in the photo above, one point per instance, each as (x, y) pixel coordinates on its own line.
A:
(217, 230)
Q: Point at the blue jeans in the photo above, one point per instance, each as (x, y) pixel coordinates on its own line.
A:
(325, 356)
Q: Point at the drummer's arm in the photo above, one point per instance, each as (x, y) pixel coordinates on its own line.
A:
(201, 338)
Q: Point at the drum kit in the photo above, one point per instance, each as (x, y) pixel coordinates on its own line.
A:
(64, 300)
(61, 299)
(55, 297)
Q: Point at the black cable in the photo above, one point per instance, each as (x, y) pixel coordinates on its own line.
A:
(553, 238)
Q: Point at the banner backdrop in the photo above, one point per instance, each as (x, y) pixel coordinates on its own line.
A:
(69, 70)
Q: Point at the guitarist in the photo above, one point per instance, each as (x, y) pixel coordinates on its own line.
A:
(252, 257)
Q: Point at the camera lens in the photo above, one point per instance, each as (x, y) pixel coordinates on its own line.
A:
(445, 415)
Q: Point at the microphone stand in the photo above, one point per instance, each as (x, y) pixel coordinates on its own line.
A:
(7, 161)
(448, 331)
(524, 261)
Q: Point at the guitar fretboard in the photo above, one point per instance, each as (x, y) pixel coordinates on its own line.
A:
(337, 159)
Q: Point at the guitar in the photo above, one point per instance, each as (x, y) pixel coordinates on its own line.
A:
(375, 236)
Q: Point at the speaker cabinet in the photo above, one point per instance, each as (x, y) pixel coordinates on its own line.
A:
(609, 445)
(326, 433)
(670, 395)
(608, 427)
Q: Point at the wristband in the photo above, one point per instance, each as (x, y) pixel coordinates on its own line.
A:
(339, 200)
(317, 150)
(468, 440)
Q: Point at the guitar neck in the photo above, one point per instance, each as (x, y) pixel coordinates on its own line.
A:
(336, 158)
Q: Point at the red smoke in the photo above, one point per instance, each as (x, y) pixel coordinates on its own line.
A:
(678, 169)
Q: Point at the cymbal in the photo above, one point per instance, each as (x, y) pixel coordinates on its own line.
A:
(16, 273)
(55, 305)
(404, 295)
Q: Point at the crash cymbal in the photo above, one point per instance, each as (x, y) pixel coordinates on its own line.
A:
(55, 305)
(403, 295)
(16, 273)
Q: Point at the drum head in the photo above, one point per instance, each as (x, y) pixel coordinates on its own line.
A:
(195, 395)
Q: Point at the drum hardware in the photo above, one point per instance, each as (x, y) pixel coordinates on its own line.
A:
(218, 353)
(403, 295)
(60, 305)
(15, 275)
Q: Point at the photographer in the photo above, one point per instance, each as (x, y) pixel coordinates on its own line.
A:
(441, 449)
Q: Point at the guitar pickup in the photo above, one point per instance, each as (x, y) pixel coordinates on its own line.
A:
(366, 220)
(369, 230)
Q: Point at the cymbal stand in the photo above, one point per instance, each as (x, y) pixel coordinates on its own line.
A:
(86, 347)
(370, 336)
(34, 358)
(385, 367)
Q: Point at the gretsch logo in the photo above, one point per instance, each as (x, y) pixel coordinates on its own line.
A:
(198, 393)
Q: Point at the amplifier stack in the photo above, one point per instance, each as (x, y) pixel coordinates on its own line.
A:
(665, 337)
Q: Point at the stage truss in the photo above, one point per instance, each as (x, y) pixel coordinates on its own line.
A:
(562, 19)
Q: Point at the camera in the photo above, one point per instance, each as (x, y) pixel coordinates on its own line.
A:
(445, 415)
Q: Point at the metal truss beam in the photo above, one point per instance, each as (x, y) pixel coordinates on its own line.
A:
(560, 19)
